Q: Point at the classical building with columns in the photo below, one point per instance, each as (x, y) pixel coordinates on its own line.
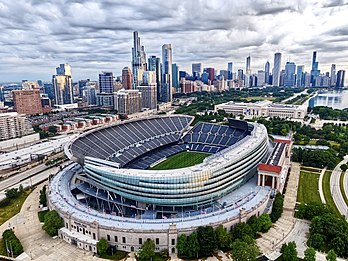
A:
(273, 173)
(263, 109)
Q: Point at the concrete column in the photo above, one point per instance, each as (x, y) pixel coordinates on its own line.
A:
(258, 179)
(263, 180)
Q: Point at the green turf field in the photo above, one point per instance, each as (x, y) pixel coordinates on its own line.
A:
(181, 160)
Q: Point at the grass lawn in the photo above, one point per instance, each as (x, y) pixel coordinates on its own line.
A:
(308, 188)
(327, 192)
(13, 207)
(181, 160)
(342, 188)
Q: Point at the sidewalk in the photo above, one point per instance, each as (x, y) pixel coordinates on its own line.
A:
(37, 244)
(321, 193)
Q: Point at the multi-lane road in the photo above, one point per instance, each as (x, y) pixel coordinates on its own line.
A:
(335, 188)
(28, 178)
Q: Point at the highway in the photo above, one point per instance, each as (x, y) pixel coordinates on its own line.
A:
(28, 178)
(335, 188)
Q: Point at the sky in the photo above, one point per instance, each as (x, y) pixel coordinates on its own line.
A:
(94, 36)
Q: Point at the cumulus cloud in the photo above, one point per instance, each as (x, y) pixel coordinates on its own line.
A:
(96, 35)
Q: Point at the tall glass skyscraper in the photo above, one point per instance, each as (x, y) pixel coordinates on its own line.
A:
(267, 69)
(175, 71)
(62, 85)
(138, 60)
(230, 70)
(167, 81)
(289, 77)
(299, 76)
(276, 69)
(315, 71)
(340, 78)
(154, 64)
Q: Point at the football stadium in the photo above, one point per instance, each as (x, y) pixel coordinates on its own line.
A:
(157, 178)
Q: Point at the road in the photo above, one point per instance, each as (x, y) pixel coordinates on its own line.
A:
(28, 178)
(335, 188)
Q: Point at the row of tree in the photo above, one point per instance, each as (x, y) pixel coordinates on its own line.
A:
(278, 126)
(277, 208)
(316, 158)
(52, 223)
(241, 239)
(327, 113)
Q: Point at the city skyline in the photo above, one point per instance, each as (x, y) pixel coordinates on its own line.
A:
(92, 41)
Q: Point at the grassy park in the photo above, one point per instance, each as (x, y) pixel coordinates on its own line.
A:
(308, 188)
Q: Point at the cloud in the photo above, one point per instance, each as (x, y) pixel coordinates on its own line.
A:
(96, 35)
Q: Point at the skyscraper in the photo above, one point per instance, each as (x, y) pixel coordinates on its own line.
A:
(315, 71)
(166, 86)
(155, 65)
(300, 76)
(333, 75)
(138, 60)
(230, 70)
(340, 78)
(276, 69)
(106, 82)
(267, 69)
(211, 73)
(126, 78)
(62, 85)
(289, 77)
(196, 69)
(247, 67)
(175, 71)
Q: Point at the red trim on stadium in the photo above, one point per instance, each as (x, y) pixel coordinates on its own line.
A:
(270, 168)
(282, 141)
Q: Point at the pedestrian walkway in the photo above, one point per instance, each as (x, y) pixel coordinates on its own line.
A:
(321, 193)
(276, 235)
(37, 244)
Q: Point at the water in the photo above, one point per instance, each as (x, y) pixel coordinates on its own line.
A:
(336, 99)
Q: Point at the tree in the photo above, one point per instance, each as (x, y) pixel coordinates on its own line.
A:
(265, 222)
(344, 167)
(207, 240)
(11, 193)
(242, 251)
(182, 246)
(240, 230)
(277, 208)
(147, 251)
(102, 246)
(43, 199)
(52, 223)
(193, 246)
(52, 129)
(289, 252)
(14, 245)
(223, 238)
(254, 223)
(309, 254)
(331, 256)
(317, 240)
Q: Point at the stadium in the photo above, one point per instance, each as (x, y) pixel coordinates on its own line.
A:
(157, 178)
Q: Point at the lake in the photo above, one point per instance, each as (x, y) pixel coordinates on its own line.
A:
(335, 99)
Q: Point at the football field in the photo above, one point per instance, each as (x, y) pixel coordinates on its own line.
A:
(181, 160)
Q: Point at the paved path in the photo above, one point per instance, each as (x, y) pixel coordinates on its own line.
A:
(335, 188)
(345, 183)
(37, 244)
(321, 193)
(275, 236)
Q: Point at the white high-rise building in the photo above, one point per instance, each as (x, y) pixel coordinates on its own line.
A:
(14, 125)
(333, 75)
(166, 87)
(276, 69)
(261, 78)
